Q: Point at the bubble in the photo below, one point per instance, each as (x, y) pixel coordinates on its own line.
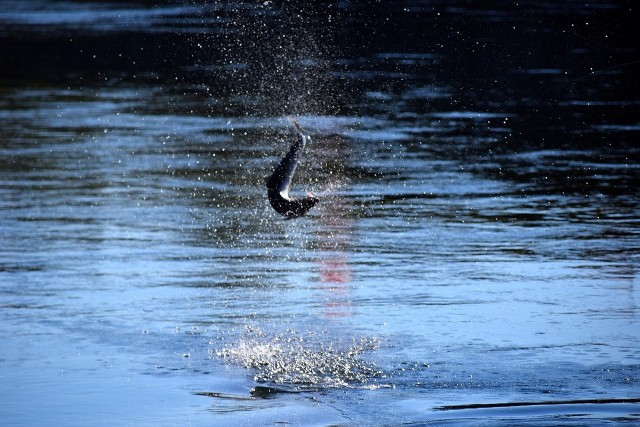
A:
(304, 359)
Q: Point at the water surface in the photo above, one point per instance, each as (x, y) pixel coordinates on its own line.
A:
(474, 258)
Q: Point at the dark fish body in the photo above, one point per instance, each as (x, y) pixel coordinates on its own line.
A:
(279, 182)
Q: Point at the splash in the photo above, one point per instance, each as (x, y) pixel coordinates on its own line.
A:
(305, 361)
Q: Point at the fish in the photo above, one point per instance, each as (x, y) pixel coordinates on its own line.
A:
(279, 182)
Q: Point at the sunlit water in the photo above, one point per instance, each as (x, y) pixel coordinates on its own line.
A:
(474, 258)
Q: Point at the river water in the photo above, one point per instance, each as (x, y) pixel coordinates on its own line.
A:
(473, 260)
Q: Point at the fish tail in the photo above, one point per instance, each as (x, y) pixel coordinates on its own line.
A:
(295, 124)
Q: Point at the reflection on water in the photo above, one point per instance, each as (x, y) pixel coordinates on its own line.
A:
(476, 243)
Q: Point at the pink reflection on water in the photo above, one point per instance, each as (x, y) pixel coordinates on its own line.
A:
(334, 235)
(335, 286)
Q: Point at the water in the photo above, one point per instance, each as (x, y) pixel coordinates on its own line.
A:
(474, 259)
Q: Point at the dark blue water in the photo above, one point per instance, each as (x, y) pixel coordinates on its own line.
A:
(473, 260)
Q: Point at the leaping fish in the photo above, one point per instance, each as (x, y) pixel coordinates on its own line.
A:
(279, 182)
